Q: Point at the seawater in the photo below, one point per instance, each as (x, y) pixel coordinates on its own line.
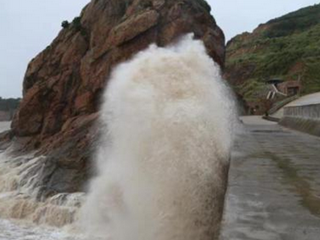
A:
(168, 123)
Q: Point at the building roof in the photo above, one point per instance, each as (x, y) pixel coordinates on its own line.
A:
(274, 81)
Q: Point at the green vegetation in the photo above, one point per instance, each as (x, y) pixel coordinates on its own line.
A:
(251, 89)
(65, 24)
(76, 25)
(76, 22)
(8, 105)
(312, 77)
(287, 47)
(293, 22)
(204, 4)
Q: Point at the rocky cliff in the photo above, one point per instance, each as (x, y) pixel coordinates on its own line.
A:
(285, 48)
(63, 84)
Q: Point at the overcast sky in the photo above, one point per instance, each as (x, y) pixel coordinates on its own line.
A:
(28, 26)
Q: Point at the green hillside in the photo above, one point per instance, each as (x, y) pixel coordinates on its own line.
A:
(286, 48)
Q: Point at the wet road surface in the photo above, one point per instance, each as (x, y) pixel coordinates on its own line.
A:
(274, 185)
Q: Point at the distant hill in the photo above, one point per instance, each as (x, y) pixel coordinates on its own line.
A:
(286, 48)
(8, 108)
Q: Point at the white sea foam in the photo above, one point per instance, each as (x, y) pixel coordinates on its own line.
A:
(10, 230)
(162, 165)
(22, 215)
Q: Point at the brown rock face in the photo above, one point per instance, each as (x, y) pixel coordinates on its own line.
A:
(63, 84)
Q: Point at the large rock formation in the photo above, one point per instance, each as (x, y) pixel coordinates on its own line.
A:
(63, 84)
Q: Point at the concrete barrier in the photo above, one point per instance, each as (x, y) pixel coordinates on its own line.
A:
(305, 118)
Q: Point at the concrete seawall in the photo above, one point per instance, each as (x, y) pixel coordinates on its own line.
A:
(304, 118)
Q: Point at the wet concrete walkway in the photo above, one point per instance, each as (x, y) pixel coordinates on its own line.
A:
(274, 185)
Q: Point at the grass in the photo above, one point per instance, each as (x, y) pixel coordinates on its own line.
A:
(290, 41)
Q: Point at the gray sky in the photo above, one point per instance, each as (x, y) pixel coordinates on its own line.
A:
(29, 26)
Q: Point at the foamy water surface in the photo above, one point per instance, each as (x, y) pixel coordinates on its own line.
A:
(19, 230)
(10, 230)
